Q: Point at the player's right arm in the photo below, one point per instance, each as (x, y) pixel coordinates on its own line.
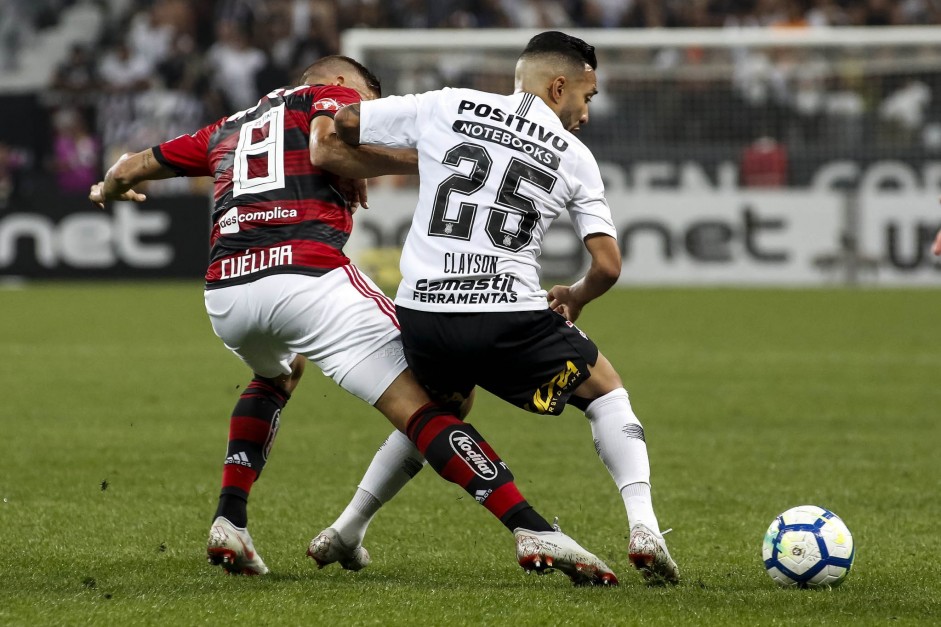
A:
(186, 155)
(332, 153)
(128, 171)
(347, 122)
(392, 121)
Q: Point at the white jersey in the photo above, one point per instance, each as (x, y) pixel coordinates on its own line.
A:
(495, 172)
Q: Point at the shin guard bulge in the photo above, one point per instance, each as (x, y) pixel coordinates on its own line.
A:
(252, 430)
(459, 454)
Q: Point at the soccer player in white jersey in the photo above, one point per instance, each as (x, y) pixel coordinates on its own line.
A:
(279, 291)
(495, 171)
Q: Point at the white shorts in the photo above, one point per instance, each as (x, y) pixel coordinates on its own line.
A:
(340, 321)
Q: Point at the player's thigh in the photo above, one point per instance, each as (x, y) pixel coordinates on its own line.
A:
(237, 317)
(604, 378)
(440, 350)
(345, 325)
(538, 361)
(371, 377)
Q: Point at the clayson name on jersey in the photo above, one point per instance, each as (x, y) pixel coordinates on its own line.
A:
(522, 126)
(469, 263)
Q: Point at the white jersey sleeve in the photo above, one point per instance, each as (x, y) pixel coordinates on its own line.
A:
(588, 207)
(392, 121)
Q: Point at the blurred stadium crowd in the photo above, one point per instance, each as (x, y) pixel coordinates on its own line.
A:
(152, 69)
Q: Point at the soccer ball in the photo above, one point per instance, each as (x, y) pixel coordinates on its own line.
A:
(808, 547)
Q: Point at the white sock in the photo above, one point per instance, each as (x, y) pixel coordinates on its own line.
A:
(393, 465)
(639, 506)
(619, 440)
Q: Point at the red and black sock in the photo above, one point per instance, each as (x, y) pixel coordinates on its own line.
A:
(459, 454)
(252, 429)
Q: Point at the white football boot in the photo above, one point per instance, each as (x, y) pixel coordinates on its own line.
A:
(541, 551)
(648, 553)
(328, 548)
(232, 548)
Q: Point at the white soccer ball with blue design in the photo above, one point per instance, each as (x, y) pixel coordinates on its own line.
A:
(808, 547)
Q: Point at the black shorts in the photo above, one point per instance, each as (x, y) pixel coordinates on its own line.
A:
(533, 359)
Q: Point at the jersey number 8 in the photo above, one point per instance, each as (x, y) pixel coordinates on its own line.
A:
(260, 140)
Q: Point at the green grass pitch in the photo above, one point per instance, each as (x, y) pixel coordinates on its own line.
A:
(115, 415)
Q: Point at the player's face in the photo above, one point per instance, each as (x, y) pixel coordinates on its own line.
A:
(575, 99)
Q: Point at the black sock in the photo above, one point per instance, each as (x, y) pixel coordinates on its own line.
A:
(233, 507)
(529, 519)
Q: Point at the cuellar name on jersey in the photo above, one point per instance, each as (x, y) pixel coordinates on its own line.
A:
(252, 261)
(497, 135)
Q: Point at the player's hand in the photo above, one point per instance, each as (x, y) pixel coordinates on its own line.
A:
(936, 248)
(354, 191)
(97, 195)
(562, 300)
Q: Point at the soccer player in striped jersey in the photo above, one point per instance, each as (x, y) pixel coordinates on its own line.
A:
(495, 171)
(279, 292)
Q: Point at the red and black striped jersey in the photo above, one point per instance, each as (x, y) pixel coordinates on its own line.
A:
(274, 211)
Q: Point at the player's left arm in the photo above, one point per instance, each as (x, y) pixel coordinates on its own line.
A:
(569, 300)
(591, 218)
(129, 170)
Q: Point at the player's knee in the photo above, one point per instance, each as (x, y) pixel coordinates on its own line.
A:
(604, 379)
(402, 399)
(466, 405)
(288, 382)
(297, 371)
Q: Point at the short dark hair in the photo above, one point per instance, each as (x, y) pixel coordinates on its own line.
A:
(371, 80)
(571, 48)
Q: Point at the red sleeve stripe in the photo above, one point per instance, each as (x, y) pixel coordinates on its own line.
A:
(385, 305)
(158, 155)
(188, 153)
